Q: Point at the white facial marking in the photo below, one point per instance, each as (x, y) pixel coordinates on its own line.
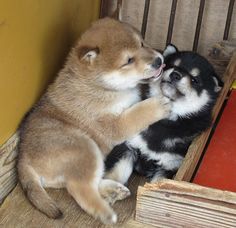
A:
(190, 103)
(182, 86)
(117, 81)
(195, 72)
(177, 62)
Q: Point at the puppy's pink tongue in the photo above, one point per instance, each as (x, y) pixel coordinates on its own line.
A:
(158, 72)
(162, 66)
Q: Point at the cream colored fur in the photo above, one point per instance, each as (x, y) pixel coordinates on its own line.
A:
(91, 107)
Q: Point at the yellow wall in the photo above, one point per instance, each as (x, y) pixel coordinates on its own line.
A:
(35, 36)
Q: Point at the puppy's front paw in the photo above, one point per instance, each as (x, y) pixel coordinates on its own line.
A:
(163, 108)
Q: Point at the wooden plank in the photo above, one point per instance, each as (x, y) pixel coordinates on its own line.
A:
(170, 203)
(193, 155)
(8, 154)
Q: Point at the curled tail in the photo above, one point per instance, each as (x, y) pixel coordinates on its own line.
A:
(36, 193)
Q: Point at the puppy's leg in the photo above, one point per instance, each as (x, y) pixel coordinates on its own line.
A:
(135, 119)
(90, 200)
(113, 191)
(119, 163)
(83, 174)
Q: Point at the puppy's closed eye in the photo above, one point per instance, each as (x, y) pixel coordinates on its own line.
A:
(130, 60)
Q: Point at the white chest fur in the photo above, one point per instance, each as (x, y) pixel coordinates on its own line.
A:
(124, 100)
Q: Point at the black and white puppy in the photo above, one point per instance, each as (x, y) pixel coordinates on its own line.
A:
(192, 86)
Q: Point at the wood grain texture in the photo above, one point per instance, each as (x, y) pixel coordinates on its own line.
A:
(8, 154)
(17, 212)
(193, 155)
(170, 203)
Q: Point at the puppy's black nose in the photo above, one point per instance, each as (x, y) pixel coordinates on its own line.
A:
(157, 62)
(174, 76)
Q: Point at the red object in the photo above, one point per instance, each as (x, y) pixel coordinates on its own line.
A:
(218, 167)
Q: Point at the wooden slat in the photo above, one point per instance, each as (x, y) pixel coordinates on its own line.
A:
(170, 203)
(145, 18)
(193, 155)
(199, 23)
(8, 153)
(119, 9)
(171, 21)
(228, 19)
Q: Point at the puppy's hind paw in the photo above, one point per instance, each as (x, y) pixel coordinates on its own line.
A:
(109, 219)
(113, 191)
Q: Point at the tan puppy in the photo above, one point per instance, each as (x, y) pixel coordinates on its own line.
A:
(86, 112)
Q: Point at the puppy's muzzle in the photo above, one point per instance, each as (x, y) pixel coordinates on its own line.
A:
(175, 77)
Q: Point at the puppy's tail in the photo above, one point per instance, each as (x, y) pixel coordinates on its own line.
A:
(36, 193)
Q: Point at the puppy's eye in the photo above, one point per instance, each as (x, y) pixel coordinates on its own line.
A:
(141, 44)
(195, 80)
(130, 61)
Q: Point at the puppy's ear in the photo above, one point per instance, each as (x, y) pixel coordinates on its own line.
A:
(87, 54)
(218, 84)
(169, 50)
